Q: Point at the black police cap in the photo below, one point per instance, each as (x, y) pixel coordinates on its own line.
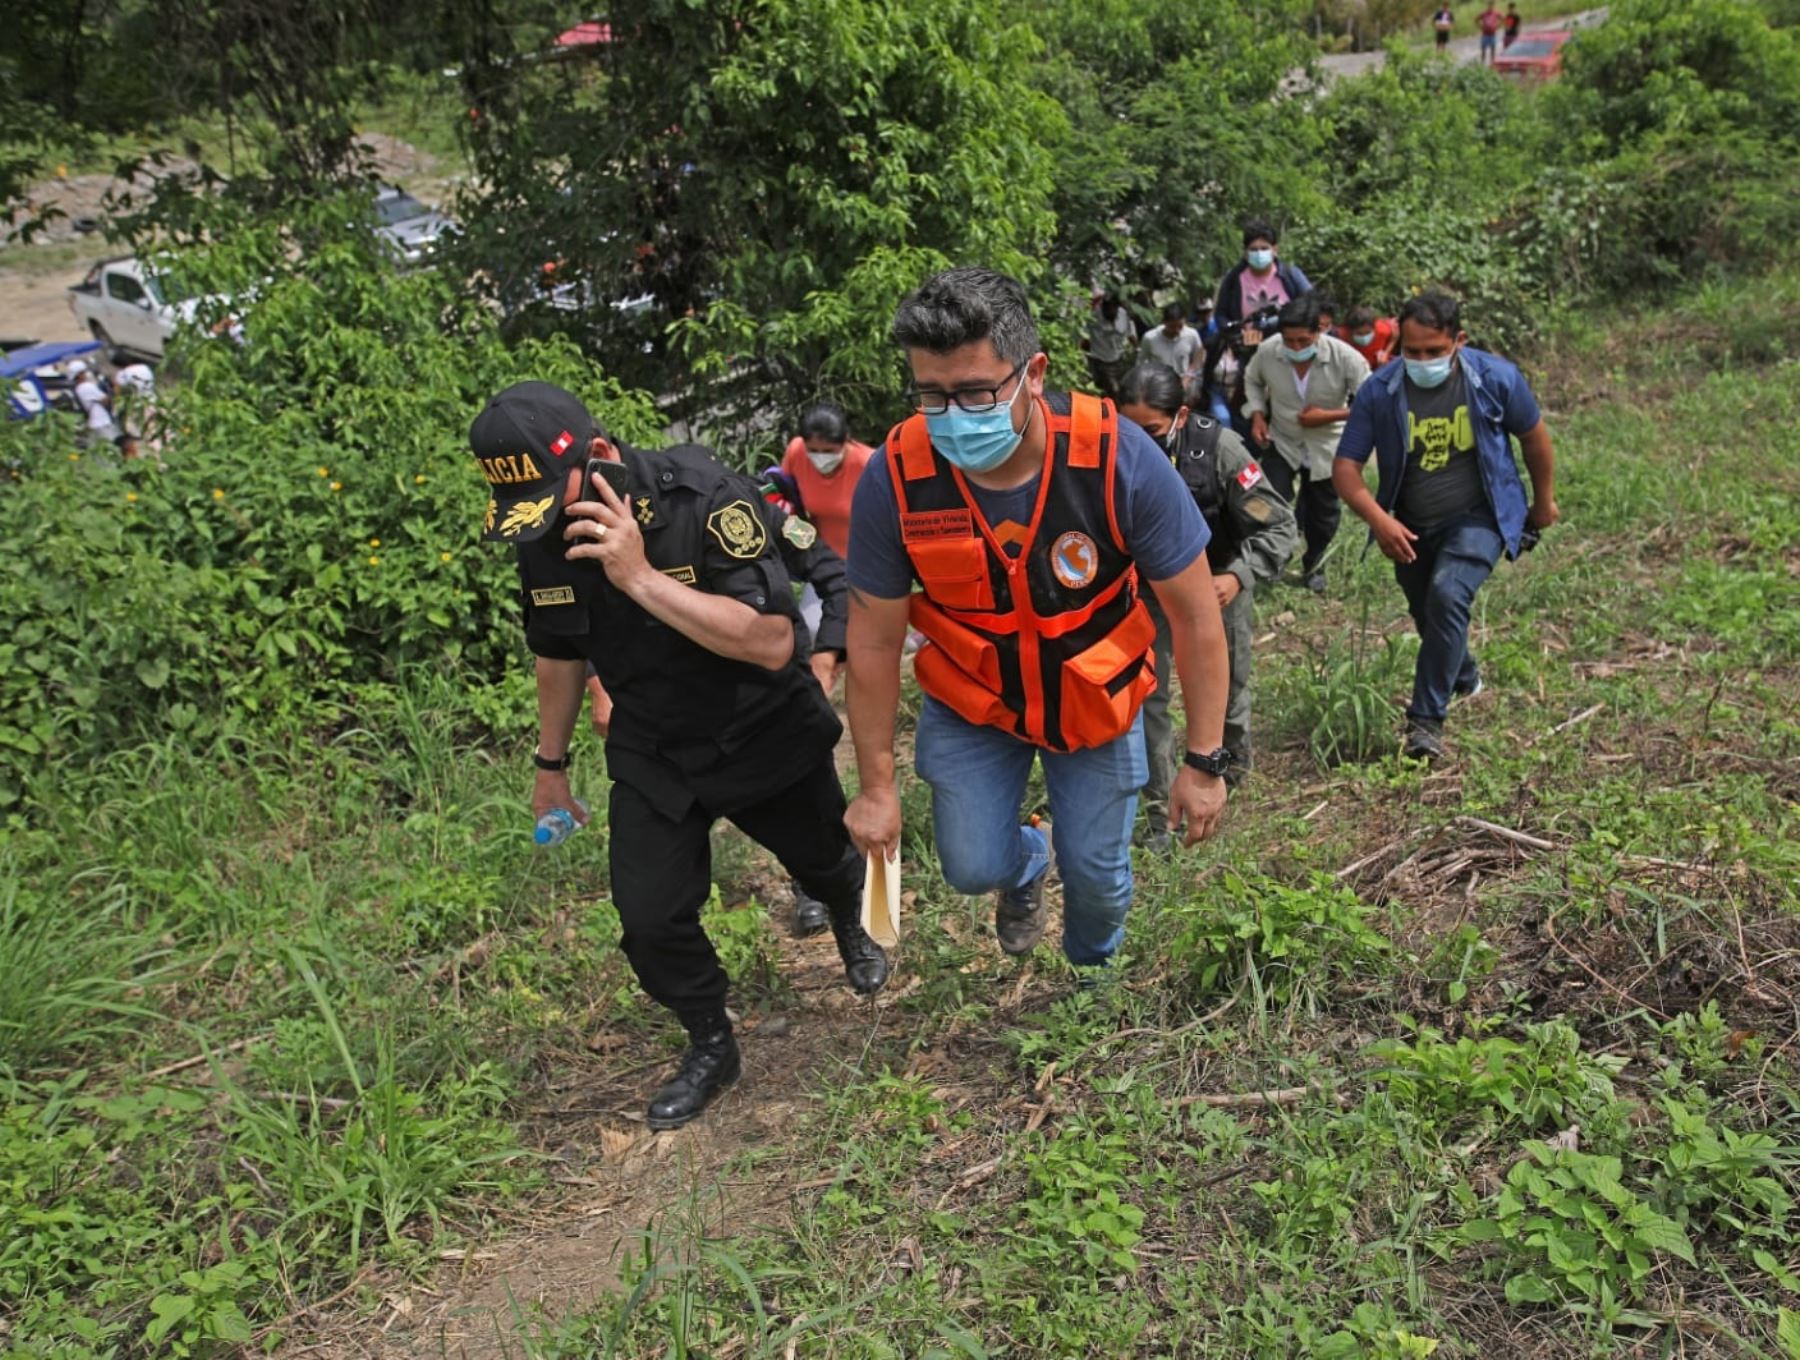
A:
(525, 441)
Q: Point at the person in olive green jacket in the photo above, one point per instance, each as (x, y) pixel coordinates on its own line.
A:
(1253, 536)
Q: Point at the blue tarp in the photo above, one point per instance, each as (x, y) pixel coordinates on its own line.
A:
(41, 355)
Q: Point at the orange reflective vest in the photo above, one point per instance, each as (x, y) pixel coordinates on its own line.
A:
(1051, 645)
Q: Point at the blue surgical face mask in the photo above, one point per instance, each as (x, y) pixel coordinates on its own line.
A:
(1260, 259)
(977, 441)
(1430, 372)
(1363, 339)
(1299, 356)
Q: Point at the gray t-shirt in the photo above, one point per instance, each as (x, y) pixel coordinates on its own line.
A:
(1443, 475)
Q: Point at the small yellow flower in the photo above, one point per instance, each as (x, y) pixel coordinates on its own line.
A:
(419, 480)
(374, 542)
(74, 457)
(324, 472)
(131, 495)
(443, 557)
(218, 493)
(337, 486)
(374, 561)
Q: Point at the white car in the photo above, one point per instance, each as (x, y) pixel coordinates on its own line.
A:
(408, 228)
(131, 308)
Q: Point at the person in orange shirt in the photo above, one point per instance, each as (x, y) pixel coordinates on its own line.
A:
(825, 463)
(1371, 336)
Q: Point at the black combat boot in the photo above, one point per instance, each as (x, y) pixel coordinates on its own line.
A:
(865, 965)
(709, 1066)
(1020, 914)
(810, 916)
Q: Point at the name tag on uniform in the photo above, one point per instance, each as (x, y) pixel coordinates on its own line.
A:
(920, 526)
(683, 574)
(554, 595)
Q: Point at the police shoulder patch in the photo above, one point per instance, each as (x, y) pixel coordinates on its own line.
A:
(799, 532)
(739, 530)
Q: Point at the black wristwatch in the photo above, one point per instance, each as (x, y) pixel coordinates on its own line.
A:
(543, 762)
(1214, 763)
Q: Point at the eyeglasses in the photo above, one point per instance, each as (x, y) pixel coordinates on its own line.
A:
(975, 400)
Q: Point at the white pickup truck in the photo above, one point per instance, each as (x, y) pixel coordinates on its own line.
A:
(130, 308)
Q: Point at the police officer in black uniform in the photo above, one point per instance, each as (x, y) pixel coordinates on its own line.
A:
(807, 558)
(676, 593)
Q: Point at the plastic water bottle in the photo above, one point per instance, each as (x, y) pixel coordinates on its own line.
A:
(556, 826)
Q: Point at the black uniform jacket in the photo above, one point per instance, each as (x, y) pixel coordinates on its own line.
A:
(688, 725)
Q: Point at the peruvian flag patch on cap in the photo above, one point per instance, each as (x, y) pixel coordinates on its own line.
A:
(560, 445)
(1250, 476)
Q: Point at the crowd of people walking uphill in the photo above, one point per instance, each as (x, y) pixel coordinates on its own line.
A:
(1054, 562)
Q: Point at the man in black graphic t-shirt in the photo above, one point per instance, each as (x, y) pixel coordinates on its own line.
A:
(1443, 477)
(1451, 501)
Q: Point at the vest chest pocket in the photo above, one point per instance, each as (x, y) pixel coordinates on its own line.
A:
(954, 572)
(1104, 686)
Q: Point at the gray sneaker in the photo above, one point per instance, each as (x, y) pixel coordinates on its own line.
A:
(1020, 914)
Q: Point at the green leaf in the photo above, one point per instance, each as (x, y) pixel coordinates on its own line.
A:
(1528, 1289)
(1664, 1234)
(1787, 1331)
(169, 1309)
(1776, 1271)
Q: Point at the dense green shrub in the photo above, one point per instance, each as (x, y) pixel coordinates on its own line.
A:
(311, 523)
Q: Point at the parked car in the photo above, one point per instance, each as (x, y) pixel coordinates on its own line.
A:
(132, 308)
(408, 228)
(1537, 55)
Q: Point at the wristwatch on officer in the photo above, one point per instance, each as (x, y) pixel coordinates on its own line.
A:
(1214, 763)
(543, 762)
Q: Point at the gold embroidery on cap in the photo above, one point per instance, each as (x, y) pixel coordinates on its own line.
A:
(526, 515)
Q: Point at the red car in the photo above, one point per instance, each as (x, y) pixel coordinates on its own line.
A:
(1536, 55)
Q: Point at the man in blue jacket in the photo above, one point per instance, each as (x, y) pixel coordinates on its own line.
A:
(1449, 498)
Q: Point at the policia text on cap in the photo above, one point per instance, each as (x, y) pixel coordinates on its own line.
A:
(677, 595)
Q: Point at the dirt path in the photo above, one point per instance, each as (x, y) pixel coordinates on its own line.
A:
(623, 1187)
(35, 305)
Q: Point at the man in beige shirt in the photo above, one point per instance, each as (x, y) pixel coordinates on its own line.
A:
(1297, 392)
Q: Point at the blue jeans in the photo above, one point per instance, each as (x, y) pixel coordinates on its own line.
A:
(977, 777)
(1440, 584)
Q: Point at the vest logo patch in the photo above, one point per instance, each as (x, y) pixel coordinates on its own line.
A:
(1075, 560)
(514, 469)
(554, 595)
(919, 526)
(739, 530)
(645, 513)
(799, 532)
(683, 574)
(1250, 476)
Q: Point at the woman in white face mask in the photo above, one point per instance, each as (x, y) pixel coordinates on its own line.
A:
(824, 463)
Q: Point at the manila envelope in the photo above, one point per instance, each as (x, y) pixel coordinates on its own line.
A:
(881, 899)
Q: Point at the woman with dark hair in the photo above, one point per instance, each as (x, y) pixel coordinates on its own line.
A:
(1253, 535)
(824, 462)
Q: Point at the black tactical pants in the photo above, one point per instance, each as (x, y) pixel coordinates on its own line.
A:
(662, 875)
(1316, 506)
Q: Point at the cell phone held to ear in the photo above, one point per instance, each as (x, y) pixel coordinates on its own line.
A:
(617, 476)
